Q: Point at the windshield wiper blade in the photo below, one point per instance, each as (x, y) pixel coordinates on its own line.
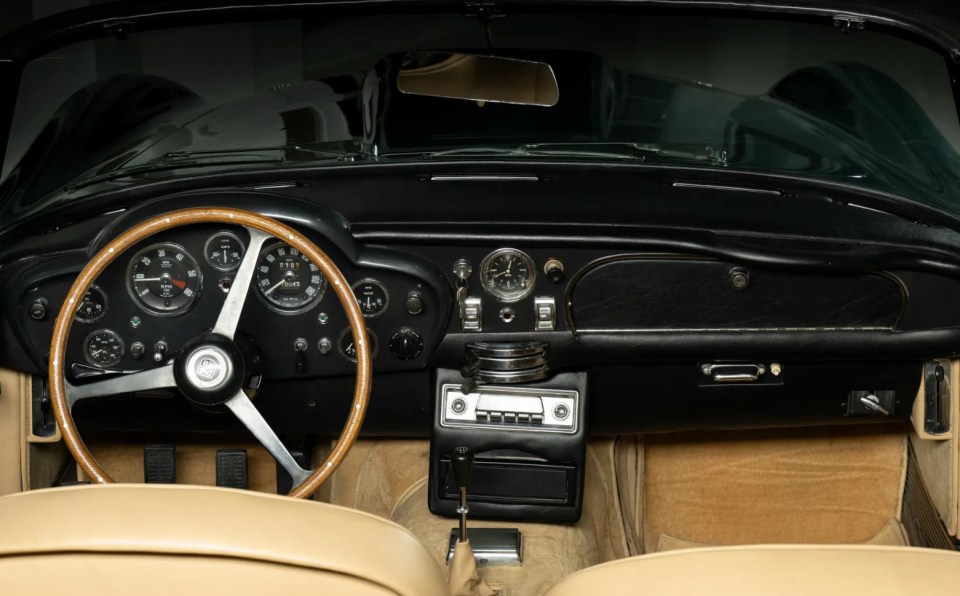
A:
(160, 166)
(176, 160)
(343, 155)
(618, 150)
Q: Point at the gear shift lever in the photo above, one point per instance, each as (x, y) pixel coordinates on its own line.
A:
(462, 462)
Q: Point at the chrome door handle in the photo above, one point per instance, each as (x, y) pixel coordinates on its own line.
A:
(734, 373)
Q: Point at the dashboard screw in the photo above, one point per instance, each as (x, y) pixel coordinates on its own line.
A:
(739, 279)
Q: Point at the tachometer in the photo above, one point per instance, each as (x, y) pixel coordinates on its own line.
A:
(164, 279)
(287, 280)
(508, 274)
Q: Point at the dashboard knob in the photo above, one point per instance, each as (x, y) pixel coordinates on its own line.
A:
(406, 344)
(324, 345)
(160, 350)
(554, 269)
(38, 310)
(414, 303)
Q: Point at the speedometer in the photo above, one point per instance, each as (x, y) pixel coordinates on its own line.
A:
(164, 279)
(287, 280)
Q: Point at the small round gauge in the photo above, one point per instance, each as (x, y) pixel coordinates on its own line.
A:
(287, 280)
(164, 279)
(223, 251)
(103, 348)
(92, 307)
(372, 297)
(508, 274)
(348, 349)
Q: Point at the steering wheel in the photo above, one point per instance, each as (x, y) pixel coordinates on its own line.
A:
(210, 369)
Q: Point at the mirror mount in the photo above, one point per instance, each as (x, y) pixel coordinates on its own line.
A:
(485, 11)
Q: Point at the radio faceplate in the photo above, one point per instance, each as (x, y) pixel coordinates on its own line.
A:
(510, 408)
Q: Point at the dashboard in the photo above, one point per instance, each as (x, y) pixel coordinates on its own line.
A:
(646, 320)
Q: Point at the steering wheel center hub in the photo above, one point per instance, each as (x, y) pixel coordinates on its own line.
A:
(210, 370)
(208, 367)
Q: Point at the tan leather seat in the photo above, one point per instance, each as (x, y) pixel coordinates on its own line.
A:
(182, 540)
(784, 570)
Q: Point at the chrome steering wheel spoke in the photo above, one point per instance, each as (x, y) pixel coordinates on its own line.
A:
(250, 416)
(226, 324)
(155, 378)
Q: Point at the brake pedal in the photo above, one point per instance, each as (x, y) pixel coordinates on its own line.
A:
(232, 468)
(160, 464)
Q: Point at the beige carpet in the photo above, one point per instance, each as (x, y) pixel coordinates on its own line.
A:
(196, 463)
(832, 486)
(389, 478)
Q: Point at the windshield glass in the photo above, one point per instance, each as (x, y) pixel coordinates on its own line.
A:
(798, 98)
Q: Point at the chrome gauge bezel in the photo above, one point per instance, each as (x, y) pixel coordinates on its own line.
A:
(504, 296)
(106, 306)
(386, 296)
(312, 303)
(135, 296)
(206, 251)
(89, 357)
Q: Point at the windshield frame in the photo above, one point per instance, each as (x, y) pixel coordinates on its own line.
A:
(103, 21)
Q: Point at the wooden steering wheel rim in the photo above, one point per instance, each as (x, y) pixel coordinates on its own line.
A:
(200, 215)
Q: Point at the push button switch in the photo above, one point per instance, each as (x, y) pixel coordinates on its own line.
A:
(472, 315)
(546, 313)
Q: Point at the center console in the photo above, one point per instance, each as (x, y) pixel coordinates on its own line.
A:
(529, 437)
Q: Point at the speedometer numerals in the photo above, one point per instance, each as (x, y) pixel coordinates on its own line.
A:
(287, 281)
(164, 280)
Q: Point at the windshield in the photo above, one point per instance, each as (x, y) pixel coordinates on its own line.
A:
(796, 98)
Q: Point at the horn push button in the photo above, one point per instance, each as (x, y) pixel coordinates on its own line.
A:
(209, 370)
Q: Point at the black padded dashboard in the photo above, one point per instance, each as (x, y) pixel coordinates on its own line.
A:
(635, 298)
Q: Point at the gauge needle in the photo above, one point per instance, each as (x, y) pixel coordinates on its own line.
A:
(270, 291)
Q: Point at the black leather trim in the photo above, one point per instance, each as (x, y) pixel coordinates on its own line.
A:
(641, 292)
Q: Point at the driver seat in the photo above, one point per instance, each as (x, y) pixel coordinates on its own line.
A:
(122, 539)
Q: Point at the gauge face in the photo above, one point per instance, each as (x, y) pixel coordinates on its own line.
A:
(103, 348)
(508, 274)
(92, 307)
(223, 251)
(287, 280)
(372, 297)
(164, 279)
(348, 348)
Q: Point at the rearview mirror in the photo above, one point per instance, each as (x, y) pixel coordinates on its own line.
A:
(482, 79)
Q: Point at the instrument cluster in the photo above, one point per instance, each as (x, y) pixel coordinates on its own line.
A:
(148, 304)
